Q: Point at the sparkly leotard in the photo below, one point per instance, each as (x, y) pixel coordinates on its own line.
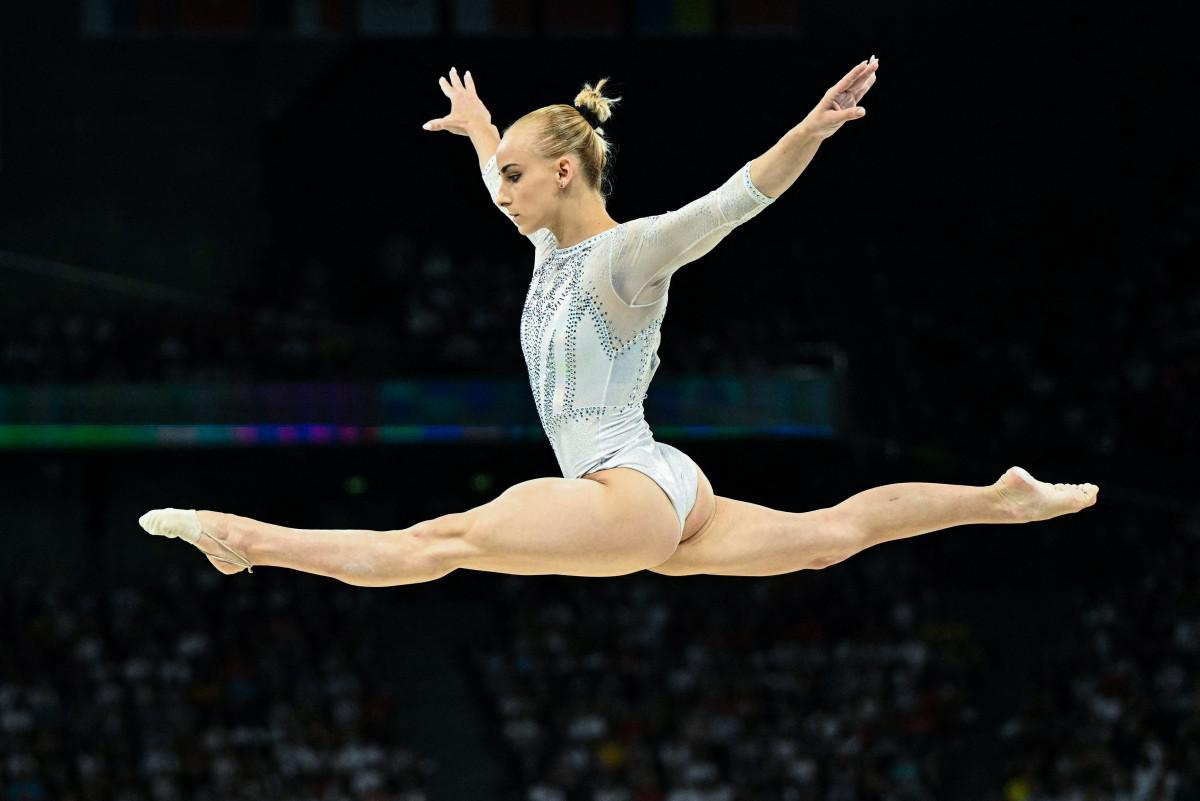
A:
(590, 331)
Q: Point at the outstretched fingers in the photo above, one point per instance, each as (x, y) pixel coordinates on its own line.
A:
(851, 88)
(850, 78)
(864, 85)
(456, 82)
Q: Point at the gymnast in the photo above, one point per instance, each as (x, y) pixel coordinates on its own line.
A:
(590, 331)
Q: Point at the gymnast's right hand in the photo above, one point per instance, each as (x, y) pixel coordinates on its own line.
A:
(466, 109)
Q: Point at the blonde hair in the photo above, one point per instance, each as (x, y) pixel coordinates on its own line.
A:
(560, 129)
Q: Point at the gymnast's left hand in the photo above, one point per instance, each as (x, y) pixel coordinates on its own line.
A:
(840, 103)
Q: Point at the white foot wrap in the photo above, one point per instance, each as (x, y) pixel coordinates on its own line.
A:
(185, 524)
(181, 523)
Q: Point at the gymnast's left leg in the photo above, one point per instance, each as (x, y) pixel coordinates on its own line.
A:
(746, 539)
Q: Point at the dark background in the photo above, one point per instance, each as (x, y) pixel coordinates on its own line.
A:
(1005, 248)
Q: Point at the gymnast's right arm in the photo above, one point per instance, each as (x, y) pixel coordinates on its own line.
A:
(469, 117)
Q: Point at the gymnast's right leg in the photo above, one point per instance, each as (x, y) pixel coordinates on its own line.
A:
(575, 527)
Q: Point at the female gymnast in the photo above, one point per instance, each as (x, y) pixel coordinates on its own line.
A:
(590, 335)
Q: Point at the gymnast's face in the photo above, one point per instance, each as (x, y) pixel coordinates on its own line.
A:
(529, 185)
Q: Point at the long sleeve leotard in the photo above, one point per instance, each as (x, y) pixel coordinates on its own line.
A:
(590, 327)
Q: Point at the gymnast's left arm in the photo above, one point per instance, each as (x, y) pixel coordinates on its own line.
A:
(651, 249)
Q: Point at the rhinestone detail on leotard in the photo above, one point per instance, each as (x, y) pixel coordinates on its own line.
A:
(557, 285)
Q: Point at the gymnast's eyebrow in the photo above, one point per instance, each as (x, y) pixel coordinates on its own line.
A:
(510, 164)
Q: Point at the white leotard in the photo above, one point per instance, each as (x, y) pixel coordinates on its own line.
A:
(590, 325)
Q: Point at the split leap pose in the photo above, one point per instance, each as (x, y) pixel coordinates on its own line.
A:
(590, 335)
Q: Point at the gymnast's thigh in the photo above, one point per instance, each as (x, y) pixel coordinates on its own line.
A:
(748, 539)
(569, 526)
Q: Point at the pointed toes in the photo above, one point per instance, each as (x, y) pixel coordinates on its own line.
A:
(153, 522)
(181, 523)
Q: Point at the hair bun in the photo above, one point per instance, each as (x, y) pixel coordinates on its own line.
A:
(594, 106)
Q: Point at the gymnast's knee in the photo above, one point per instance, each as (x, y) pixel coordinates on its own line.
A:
(441, 544)
(840, 539)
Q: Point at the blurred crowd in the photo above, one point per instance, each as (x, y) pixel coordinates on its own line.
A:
(1115, 711)
(844, 684)
(424, 310)
(194, 687)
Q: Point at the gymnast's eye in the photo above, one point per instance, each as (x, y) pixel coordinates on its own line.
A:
(513, 176)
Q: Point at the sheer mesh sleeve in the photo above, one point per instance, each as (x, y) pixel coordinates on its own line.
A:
(542, 239)
(655, 247)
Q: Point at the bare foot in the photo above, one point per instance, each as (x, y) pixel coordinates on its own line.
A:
(211, 532)
(1032, 500)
